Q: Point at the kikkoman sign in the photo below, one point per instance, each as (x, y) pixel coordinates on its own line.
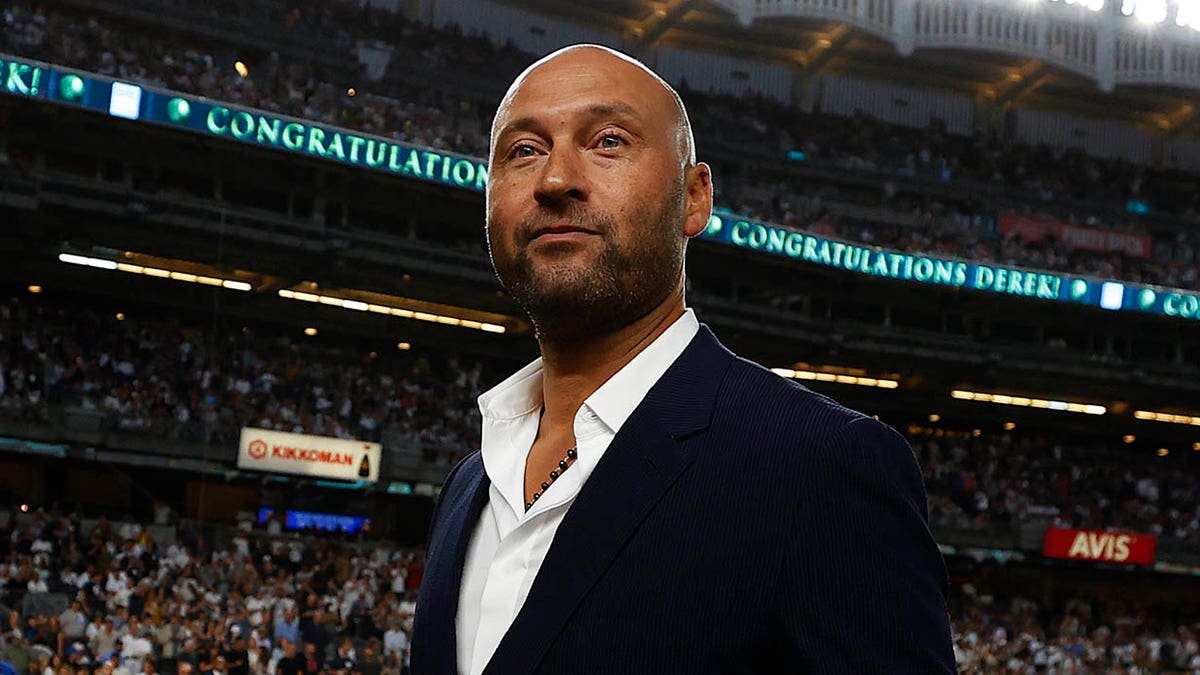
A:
(306, 455)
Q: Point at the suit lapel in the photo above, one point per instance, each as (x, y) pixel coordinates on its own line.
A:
(442, 581)
(639, 466)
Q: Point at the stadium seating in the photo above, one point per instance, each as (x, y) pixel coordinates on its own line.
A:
(105, 596)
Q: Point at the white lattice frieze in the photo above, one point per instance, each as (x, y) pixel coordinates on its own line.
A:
(1109, 41)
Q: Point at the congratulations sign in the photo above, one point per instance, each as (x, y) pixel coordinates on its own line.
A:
(305, 455)
(731, 228)
(314, 140)
(195, 113)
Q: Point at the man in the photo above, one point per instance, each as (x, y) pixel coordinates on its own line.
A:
(395, 643)
(218, 666)
(645, 501)
(290, 663)
(135, 649)
(236, 654)
(289, 628)
(73, 621)
(371, 663)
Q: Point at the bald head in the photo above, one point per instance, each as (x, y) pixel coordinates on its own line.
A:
(590, 60)
(592, 192)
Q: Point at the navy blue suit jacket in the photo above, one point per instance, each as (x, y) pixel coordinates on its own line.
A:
(738, 523)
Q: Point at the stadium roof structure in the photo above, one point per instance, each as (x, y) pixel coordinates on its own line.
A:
(1081, 56)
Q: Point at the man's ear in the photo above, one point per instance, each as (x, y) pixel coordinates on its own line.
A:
(698, 195)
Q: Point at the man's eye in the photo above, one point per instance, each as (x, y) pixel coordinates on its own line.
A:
(611, 142)
(523, 150)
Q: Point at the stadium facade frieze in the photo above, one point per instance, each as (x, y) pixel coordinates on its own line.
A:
(31, 79)
(1111, 42)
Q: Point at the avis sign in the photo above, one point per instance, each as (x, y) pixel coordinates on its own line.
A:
(1125, 548)
(305, 455)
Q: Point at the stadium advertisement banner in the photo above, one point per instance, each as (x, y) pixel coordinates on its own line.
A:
(1035, 230)
(1114, 547)
(305, 455)
(196, 114)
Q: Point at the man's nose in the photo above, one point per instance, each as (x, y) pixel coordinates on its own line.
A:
(562, 179)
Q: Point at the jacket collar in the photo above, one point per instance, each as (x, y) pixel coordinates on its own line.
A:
(643, 461)
(434, 642)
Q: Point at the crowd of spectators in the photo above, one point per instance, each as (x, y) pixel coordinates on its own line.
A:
(1045, 183)
(108, 598)
(163, 377)
(151, 375)
(1105, 631)
(1001, 481)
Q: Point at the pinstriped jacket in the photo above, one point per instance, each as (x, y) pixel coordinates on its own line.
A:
(738, 523)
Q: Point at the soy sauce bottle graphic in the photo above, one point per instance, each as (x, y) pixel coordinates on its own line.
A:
(364, 467)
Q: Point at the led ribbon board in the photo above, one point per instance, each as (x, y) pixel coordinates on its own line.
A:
(32, 79)
(730, 228)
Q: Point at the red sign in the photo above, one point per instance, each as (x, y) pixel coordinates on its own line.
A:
(1034, 230)
(1127, 548)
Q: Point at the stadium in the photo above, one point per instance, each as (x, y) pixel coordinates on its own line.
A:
(248, 308)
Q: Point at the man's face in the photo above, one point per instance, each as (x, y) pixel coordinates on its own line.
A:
(587, 196)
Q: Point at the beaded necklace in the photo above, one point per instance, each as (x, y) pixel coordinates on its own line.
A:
(562, 467)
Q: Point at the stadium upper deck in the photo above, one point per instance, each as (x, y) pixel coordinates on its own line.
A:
(985, 232)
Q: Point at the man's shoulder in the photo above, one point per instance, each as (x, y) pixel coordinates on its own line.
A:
(764, 399)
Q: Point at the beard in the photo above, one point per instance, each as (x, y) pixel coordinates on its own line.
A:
(577, 294)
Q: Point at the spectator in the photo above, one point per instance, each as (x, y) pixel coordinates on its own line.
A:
(291, 663)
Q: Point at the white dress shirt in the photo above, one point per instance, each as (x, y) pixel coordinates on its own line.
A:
(509, 545)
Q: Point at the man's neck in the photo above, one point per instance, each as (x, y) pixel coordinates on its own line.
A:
(571, 372)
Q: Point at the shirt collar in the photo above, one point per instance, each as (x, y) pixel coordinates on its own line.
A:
(617, 398)
(518, 395)
(521, 393)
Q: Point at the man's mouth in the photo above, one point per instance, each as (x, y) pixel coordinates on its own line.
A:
(560, 232)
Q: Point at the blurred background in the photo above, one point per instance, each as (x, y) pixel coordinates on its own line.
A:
(246, 306)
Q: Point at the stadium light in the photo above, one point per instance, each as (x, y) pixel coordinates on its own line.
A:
(836, 379)
(1093, 5)
(360, 306)
(1154, 416)
(101, 263)
(1188, 14)
(1145, 11)
(1027, 402)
